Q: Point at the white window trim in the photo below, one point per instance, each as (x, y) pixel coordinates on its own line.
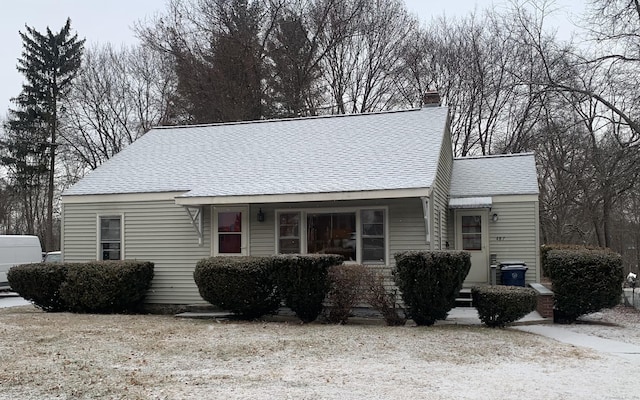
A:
(99, 234)
(244, 238)
(302, 234)
(342, 210)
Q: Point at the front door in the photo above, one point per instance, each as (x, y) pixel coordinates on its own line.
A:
(471, 236)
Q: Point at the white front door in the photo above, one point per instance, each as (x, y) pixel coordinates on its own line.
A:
(230, 231)
(471, 236)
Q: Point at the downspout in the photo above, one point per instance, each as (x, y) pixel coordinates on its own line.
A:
(425, 210)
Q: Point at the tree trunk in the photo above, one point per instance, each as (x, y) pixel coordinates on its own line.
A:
(49, 246)
(48, 235)
(606, 217)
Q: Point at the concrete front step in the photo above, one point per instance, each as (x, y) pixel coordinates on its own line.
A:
(464, 298)
(219, 315)
(202, 307)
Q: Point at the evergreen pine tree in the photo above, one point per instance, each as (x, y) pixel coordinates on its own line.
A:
(49, 62)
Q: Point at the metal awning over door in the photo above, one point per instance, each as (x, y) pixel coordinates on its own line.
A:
(470, 202)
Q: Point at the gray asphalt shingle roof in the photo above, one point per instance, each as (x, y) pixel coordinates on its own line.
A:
(494, 175)
(377, 151)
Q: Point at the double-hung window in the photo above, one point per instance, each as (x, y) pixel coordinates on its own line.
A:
(289, 232)
(372, 236)
(357, 234)
(110, 237)
(230, 230)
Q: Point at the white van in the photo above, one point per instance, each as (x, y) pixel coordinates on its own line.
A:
(16, 250)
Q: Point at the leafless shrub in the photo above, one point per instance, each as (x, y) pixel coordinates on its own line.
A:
(346, 291)
(383, 300)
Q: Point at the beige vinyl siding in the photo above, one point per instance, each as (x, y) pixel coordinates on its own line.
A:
(79, 233)
(405, 228)
(157, 231)
(405, 223)
(440, 195)
(515, 235)
(262, 235)
(161, 232)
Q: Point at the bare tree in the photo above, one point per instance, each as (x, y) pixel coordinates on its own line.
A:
(594, 86)
(118, 96)
(613, 60)
(482, 75)
(361, 69)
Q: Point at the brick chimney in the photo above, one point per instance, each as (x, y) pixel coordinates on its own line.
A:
(431, 99)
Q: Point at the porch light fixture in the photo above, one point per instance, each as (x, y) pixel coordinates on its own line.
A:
(494, 217)
(260, 216)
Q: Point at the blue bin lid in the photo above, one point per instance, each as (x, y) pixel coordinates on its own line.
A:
(520, 267)
(512, 262)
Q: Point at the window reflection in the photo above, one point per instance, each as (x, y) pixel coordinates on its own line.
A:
(230, 236)
(332, 234)
(471, 232)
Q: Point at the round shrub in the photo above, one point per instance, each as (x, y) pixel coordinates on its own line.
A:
(40, 284)
(243, 285)
(303, 281)
(546, 248)
(501, 305)
(106, 286)
(584, 281)
(430, 282)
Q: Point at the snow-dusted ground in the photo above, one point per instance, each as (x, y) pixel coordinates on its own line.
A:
(69, 356)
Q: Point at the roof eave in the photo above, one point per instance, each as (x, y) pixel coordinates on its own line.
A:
(119, 197)
(187, 200)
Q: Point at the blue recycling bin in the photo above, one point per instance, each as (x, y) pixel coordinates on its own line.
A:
(513, 273)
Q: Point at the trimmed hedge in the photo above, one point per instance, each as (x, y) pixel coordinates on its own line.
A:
(106, 286)
(584, 281)
(501, 305)
(98, 286)
(430, 282)
(40, 284)
(303, 281)
(546, 248)
(243, 285)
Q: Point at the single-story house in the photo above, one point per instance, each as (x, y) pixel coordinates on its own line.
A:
(365, 186)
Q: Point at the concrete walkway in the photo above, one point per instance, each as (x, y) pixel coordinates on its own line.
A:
(10, 299)
(534, 323)
(469, 316)
(557, 332)
(457, 316)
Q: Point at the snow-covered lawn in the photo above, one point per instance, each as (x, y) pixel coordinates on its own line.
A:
(69, 356)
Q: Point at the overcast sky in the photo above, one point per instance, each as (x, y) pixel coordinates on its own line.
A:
(101, 21)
